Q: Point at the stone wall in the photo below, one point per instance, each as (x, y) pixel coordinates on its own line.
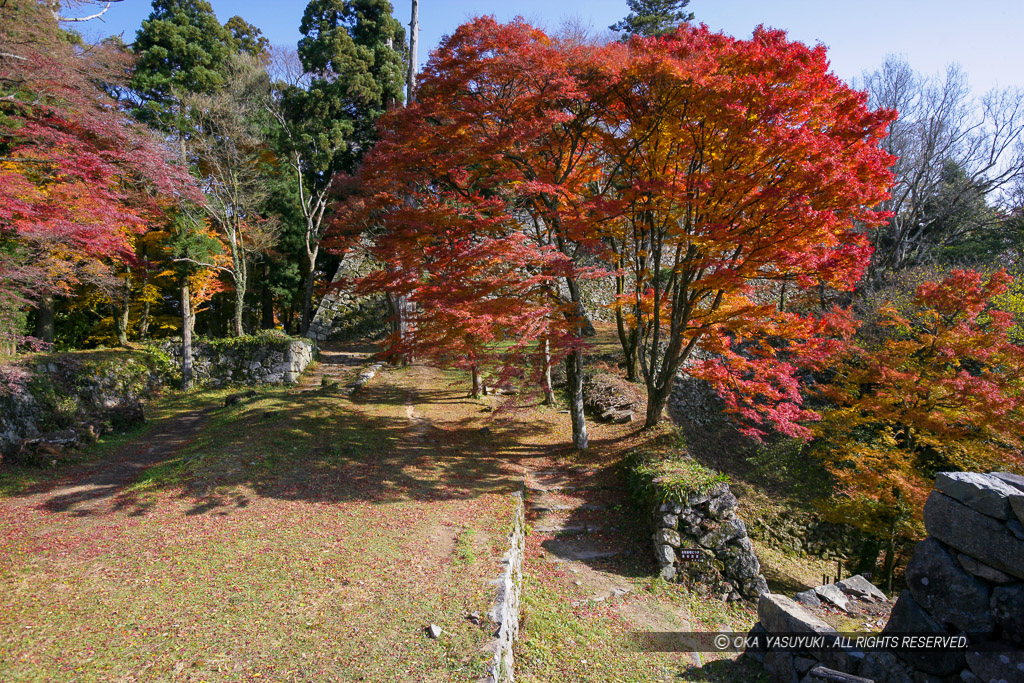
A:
(61, 401)
(260, 359)
(344, 315)
(694, 401)
(707, 526)
(505, 612)
(966, 579)
(698, 537)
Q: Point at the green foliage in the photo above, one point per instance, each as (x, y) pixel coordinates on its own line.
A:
(354, 51)
(961, 219)
(464, 546)
(250, 343)
(72, 388)
(655, 478)
(653, 17)
(181, 46)
(788, 463)
(247, 38)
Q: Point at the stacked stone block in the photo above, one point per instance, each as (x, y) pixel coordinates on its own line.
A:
(707, 523)
(966, 579)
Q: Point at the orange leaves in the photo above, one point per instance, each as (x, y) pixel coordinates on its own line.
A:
(737, 161)
(941, 390)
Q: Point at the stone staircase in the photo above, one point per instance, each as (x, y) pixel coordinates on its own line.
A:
(572, 526)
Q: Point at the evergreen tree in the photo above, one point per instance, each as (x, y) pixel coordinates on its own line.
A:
(354, 53)
(247, 38)
(653, 17)
(181, 46)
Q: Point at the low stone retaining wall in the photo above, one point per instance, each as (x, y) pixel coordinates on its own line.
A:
(260, 359)
(965, 580)
(61, 401)
(697, 535)
(505, 612)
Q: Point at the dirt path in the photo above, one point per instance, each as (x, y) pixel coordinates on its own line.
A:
(336, 362)
(573, 520)
(95, 486)
(587, 562)
(314, 536)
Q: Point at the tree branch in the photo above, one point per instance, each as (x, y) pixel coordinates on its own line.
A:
(106, 6)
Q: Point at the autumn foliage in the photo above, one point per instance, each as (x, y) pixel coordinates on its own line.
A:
(694, 165)
(932, 388)
(740, 164)
(77, 179)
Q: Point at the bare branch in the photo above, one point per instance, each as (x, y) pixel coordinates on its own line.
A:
(97, 15)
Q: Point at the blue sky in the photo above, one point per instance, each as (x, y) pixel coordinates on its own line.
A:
(986, 36)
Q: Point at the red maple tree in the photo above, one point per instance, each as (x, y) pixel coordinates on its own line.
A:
(77, 178)
(702, 164)
(741, 163)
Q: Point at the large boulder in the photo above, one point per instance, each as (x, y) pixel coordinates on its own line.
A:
(779, 614)
(832, 594)
(821, 674)
(909, 618)
(808, 598)
(973, 533)
(1014, 480)
(946, 591)
(1008, 611)
(985, 493)
(717, 507)
(1005, 664)
(982, 570)
(725, 531)
(859, 587)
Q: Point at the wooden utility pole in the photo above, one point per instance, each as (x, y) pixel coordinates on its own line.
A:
(414, 34)
(402, 306)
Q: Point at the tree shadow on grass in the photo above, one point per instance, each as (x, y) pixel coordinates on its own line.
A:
(319, 447)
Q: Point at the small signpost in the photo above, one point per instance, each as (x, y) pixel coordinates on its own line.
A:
(690, 555)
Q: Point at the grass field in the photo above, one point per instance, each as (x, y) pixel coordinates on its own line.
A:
(299, 536)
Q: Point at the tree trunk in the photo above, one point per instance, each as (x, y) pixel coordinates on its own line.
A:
(267, 301)
(477, 382)
(46, 311)
(402, 307)
(121, 311)
(549, 391)
(574, 368)
(656, 400)
(414, 35)
(307, 297)
(240, 275)
(890, 561)
(121, 322)
(186, 335)
(144, 321)
(574, 377)
(239, 328)
(629, 340)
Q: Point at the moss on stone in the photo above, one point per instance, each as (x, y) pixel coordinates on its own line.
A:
(655, 478)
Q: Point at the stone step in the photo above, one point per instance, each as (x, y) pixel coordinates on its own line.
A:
(561, 529)
(544, 488)
(567, 528)
(576, 548)
(582, 555)
(553, 507)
